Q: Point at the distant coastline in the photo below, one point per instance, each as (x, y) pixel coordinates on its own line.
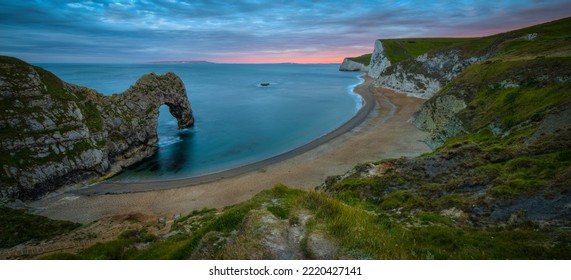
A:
(181, 62)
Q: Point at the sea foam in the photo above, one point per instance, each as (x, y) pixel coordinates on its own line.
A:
(358, 99)
(168, 140)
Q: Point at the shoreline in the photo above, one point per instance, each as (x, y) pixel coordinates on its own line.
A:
(381, 133)
(106, 187)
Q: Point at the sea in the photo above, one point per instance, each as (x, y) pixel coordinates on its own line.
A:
(237, 121)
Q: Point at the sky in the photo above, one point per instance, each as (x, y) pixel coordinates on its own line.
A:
(254, 31)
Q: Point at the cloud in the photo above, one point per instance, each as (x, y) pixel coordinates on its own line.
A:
(243, 31)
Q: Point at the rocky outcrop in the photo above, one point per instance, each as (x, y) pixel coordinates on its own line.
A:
(439, 118)
(56, 134)
(350, 65)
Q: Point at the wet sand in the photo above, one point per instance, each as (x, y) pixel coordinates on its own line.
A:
(378, 131)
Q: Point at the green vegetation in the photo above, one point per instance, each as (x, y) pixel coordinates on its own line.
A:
(12, 60)
(53, 85)
(26, 157)
(191, 232)
(18, 227)
(379, 236)
(359, 230)
(399, 199)
(551, 40)
(364, 59)
(527, 174)
(510, 106)
(398, 50)
(92, 117)
(524, 242)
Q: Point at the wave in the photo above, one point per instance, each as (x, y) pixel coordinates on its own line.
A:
(357, 97)
(168, 140)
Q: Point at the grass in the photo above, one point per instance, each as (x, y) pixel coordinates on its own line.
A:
(363, 59)
(517, 111)
(53, 85)
(377, 236)
(362, 235)
(194, 230)
(398, 50)
(18, 227)
(527, 174)
(355, 199)
(399, 199)
(429, 218)
(359, 231)
(553, 40)
(445, 242)
(511, 106)
(92, 116)
(279, 212)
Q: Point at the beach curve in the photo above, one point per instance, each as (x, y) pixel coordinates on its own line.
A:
(369, 135)
(109, 187)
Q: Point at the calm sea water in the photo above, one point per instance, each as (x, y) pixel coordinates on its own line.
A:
(237, 121)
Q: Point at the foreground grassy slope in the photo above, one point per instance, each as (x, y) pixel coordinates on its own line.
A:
(18, 227)
(355, 228)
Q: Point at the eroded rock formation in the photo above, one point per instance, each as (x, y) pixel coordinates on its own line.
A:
(56, 134)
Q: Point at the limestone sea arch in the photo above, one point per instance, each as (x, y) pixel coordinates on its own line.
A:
(55, 134)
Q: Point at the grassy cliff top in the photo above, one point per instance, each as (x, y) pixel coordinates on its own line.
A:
(402, 49)
(548, 39)
(364, 59)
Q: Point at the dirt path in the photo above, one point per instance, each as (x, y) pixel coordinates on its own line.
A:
(385, 133)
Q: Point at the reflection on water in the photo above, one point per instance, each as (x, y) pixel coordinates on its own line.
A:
(177, 158)
(171, 158)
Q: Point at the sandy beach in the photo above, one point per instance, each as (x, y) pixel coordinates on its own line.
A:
(378, 131)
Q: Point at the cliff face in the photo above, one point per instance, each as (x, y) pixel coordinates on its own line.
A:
(421, 76)
(350, 65)
(379, 61)
(497, 89)
(454, 73)
(56, 134)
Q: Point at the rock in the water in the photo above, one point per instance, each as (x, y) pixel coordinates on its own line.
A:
(54, 134)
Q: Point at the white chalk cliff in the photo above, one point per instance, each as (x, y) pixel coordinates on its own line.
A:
(422, 76)
(350, 65)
